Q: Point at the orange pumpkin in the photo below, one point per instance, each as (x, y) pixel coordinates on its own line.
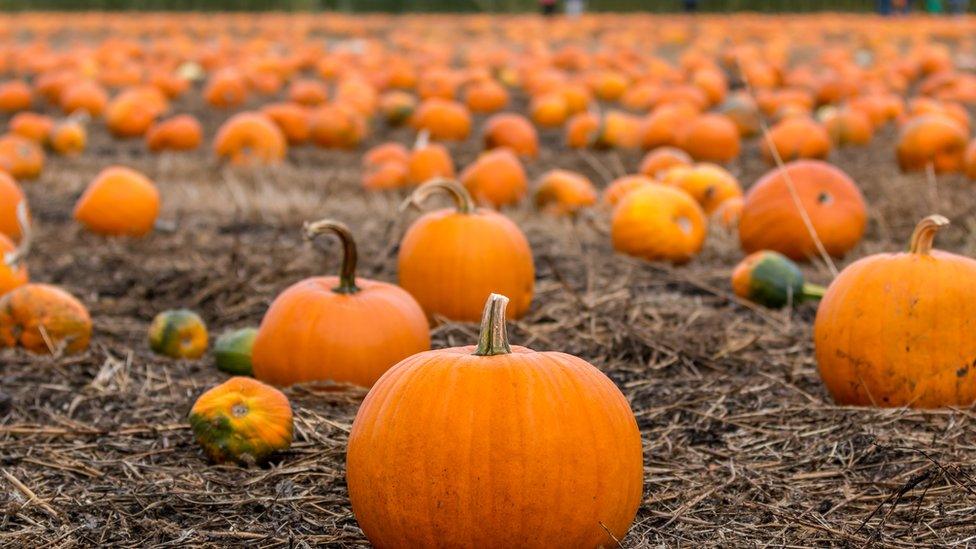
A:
(708, 184)
(20, 157)
(445, 120)
(522, 423)
(85, 96)
(969, 160)
(119, 202)
(307, 92)
(179, 133)
(496, 178)
(847, 126)
(451, 259)
(68, 137)
(33, 126)
(337, 126)
(397, 107)
(709, 137)
(513, 131)
(292, 119)
(385, 175)
(340, 329)
(250, 138)
(660, 128)
(743, 112)
(428, 161)
(622, 186)
(226, 89)
(931, 139)
(658, 223)
(562, 192)
(486, 97)
(43, 319)
(11, 197)
(242, 420)
(549, 110)
(795, 138)
(13, 271)
(771, 219)
(581, 130)
(895, 329)
(661, 159)
(15, 95)
(727, 213)
(134, 111)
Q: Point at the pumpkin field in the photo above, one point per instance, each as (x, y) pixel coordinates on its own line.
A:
(272, 280)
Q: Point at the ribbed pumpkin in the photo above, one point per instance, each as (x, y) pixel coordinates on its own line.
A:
(543, 450)
(292, 119)
(795, 138)
(932, 139)
(771, 219)
(242, 421)
(250, 138)
(451, 259)
(179, 133)
(119, 202)
(562, 192)
(340, 329)
(709, 184)
(662, 159)
(658, 223)
(622, 186)
(897, 329)
(178, 334)
(771, 279)
(42, 319)
(513, 131)
(445, 120)
(496, 178)
(709, 137)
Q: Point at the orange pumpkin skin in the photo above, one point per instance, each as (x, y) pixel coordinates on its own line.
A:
(385, 176)
(15, 95)
(20, 157)
(622, 186)
(727, 213)
(10, 276)
(744, 113)
(709, 184)
(931, 139)
(895, 329)
(179, 133)
(25, 310)
(250, 138)
(848, 126)
(658, 223)
(445, 120)
(33, 126)
(771, 221)
(132, 112)
(68, 138)
(969, 160)
(795, 138)
(386, 152)
(486, 97)
(337, 126)
(710, 137)
(308, 92)
(661, 159)
(581, 130)
(119, 202)
(85, 96)
(496, 178)
(513, 131)
(452, 259)
(397, 107)
(549, 110)
(226, 89)
(340, 329)
(427, 162)
(563, 192)
(543, 442)
(292, 119)
(11, 196)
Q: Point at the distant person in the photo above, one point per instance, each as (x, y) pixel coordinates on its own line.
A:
(574, 8)
(548, 7)
(884, 7)
(691, 6)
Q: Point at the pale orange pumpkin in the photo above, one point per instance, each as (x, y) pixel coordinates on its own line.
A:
(119, 202)
(496, 178)
(658, 223)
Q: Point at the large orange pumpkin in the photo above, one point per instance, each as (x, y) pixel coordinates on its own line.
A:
(119, 202)
(250, 138)
(771, 220)
(931, 139)
(496, 178)
(43, 319)
(896, 329)
(342, 329)
(656, 223)
(451, 259)
(542, 447)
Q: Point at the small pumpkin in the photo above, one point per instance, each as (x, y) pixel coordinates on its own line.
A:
(445, 120)
(727, 213)
(744, 113)
(513, 131)
(308, 92)
(250, 138)
(549, 110)
(337, 126)
(182, 132)
(15, 95)
(11, 199)
(895, 329)
(242, 421)
(232, 351)
(562, 192)
(13, 270)
(796, 137)
(847, 126)
(487, 96)
(427, 161)
(709, 184)
(710, 137)
(68, 137)
(771, 279)
(397, 107)
(33, 126)
(20, 156)
(226, 89)
(622, 186)
(43, 319)
(119, 202)
(932, 139)
(85, 95)
(496, 178)
(451, 259)
(521, 423)
(292, 119)
(658, 223)
(661, 159)
(834, 205)
(341, 328)
(179, 333)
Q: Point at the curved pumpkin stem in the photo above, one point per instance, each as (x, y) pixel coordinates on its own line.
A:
(494, 336)
(347, 270)
(15, 258)
(925, 233)
(462, 198)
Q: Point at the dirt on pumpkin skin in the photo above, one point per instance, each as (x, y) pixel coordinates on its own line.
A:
(742, 444)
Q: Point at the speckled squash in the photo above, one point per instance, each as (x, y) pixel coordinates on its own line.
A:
(242, 421)
(232, 351)
(771, 279)
(43, 319)
(178, 334)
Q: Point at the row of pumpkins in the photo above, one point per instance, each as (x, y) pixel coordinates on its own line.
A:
(891, 329)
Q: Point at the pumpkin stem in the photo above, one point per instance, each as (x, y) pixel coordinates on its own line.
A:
(347, 270)
(812, 291)
(15, 258)
(462, 198)
(925, 233)
(494, 337)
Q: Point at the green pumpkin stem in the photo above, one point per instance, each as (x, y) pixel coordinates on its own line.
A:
(494, 337)
(925, 233)
(462, 198)
(347, 270)
(812, 291)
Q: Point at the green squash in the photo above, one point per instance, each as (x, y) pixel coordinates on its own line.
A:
(771, 279)
(232, 351)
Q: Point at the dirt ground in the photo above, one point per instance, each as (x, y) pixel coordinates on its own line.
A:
(742, 445)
